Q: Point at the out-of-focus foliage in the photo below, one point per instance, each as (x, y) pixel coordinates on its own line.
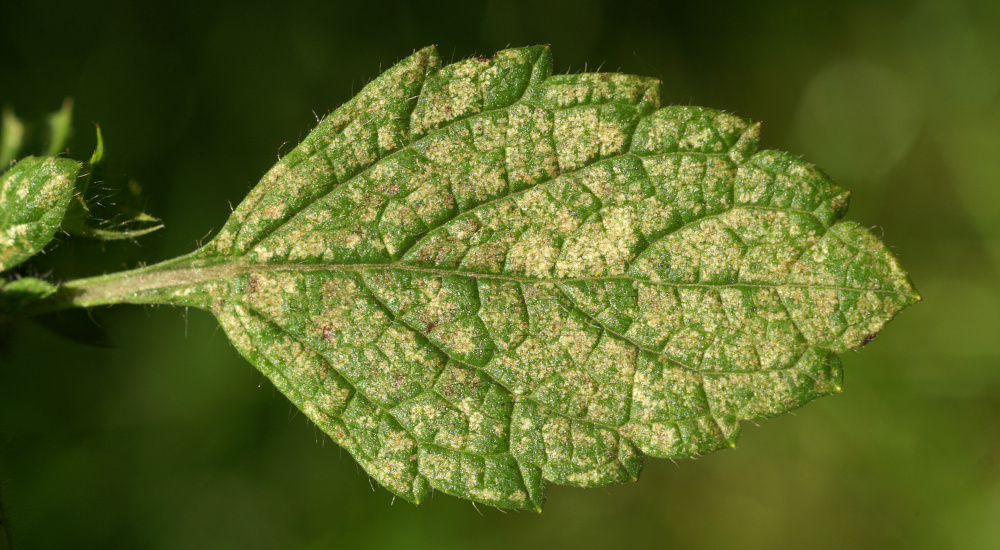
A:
(167, 441)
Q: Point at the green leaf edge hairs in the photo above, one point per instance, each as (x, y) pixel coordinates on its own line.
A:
(481, 277)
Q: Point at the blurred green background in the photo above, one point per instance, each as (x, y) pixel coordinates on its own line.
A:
(168, 439)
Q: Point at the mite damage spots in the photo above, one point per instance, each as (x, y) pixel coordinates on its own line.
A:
(34, 195)
(253, 283)
(480, 277)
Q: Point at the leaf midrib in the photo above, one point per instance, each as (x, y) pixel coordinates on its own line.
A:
(90, 292)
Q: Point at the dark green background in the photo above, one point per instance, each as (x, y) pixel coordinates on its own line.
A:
(168, 439)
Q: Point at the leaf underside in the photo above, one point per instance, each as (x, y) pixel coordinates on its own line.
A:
(480, 277)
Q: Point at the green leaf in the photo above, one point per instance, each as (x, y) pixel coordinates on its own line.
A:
(18, 293)
(16, 137)
(60, 124)
(34, 195)
(481, 277)
(78, 217)
(96, 158)
(11, 137)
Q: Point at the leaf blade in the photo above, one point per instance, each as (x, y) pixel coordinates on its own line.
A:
(480, 277)
(11, 137)
(34, 196)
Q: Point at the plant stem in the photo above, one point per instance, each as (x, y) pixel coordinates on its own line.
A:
(122, 287)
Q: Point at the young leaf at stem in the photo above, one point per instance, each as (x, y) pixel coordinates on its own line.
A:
(34, 195)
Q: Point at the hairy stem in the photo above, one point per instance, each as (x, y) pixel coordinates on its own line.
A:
(122, 287)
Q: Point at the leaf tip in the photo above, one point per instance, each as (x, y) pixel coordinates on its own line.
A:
(904, 286)
(911, 296)
(419, 491)
(731, 429)
(428, 55)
